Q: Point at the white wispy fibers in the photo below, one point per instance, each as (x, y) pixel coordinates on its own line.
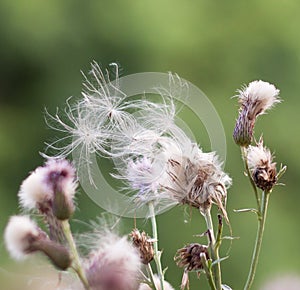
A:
(258, 97)
(151, 153)
(259, 156)
(173, 170)
(98, 120)
(262, 167)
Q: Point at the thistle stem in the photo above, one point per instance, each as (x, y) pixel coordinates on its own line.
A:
(150, 274)
(208, 273)
(76, 260)
(244, 155)
(258, 242)
(157, 253)
(214, 250)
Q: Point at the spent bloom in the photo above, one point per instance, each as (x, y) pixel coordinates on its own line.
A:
(262, 167)
(189, 257)
(144, 244)
(178, 172)
(23, 237)
(113, 265)
(254, 100)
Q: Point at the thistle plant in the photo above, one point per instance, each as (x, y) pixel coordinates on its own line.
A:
(159, 165)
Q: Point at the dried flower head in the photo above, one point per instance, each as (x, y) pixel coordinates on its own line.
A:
(197, 179)
(144, 244)
(167, 285)
(262, 167)
(22, 237)
(115, 265)
(176, 171)
(189, 257)
(254, 100)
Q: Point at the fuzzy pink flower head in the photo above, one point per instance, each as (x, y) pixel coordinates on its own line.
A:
(22, 237)
(39, 188)
(114, 266)
(19, 233)
(258, 96)
(255, 99)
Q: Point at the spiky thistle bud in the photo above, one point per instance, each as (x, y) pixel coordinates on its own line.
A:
(115, 265)
(189, 257)
(22, 237)
(254, 100)
(144, 244)
(261, 166)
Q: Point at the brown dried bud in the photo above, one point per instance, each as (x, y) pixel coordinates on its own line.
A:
(189, 257)
(144, 245)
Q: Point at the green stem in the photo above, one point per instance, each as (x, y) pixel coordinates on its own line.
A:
(150, 274)
(208, 272)
(76, 260)
(261, 226)
(244, 155)
(214, 250)
(157, 253)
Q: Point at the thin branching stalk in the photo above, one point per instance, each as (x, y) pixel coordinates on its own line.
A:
(76, 260)
(208, 272)
(157, 253)
(151, 276)
(214, 250)
(258, 242)
(244, 155)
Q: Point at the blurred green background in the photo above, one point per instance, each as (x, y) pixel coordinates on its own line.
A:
(217, 45)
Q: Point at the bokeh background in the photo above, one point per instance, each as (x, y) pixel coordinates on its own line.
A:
(217, 45)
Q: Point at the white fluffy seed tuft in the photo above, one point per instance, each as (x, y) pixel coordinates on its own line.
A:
(258, 156)
(34, 190)
(258, 97)
(18, 233)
